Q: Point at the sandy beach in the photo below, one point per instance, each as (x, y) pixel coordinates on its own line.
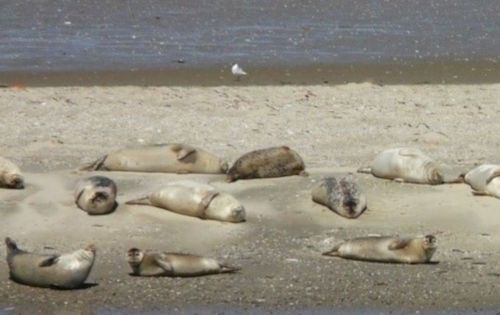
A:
(50, 131)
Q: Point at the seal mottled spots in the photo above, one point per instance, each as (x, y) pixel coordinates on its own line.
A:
(342, 196)
(484, 180)
(166, 158)
(264, 163)
(417, 250)
(157, 264)
(96, 195)
(197, 200)
(10, 175)
(406, 165)
(65, 271)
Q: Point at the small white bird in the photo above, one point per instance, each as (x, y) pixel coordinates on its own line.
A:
(237, 71)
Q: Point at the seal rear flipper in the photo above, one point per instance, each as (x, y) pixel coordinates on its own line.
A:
(11, 245)
(229, 269)
(49, 261)
(140, 201)
(333, 252)
(96, 165)
(365, 170)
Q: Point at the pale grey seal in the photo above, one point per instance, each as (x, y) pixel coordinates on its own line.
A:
(415, 250)
(157, 264)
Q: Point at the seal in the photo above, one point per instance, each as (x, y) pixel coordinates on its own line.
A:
(417, 250)
(264, 163)
(342, 196)
(196, 200)
(158, 264)
(65, 271)
(10, 175)
(162, 158)
(484, 180)
(96, 195)
(406, 165)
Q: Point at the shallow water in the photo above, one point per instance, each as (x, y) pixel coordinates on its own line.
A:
(75, 35)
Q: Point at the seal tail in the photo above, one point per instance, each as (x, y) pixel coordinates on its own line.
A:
(365, 170)
(94, 166)
(140, 201)
(332, 252)
(229, 269)
(11, 245)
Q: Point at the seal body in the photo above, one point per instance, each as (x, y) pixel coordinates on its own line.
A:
(484, 180)
(343, 196)
(387, 249)
(157, 264)
(65, 271)
(10, 175)
(166, 158)
(197, 200)
(96, 195)
(407, 165)
(264, 163)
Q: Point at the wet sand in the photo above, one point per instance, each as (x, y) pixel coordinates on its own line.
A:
(50, 131)
(442, 71)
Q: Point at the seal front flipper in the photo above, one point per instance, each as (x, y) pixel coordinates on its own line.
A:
(140, 201)
(494, 175)
(365, 170)
(205, 202)
(409, 152)
(96, 165)
(49, 261)
(183, 151)
(398, 244)
(479, 193)
(162, 262)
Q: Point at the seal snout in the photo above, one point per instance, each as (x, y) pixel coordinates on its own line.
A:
(17, 182)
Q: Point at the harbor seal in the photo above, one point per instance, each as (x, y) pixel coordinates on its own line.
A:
(484, 180)
(162, 158)
(10, 175)
(157, 264)
(406, 165)
(264, 163)
(96, 195)
(65, 271)
(417, 250)
(343, 196)
(196, 200)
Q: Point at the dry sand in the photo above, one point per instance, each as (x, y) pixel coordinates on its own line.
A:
(49, 132)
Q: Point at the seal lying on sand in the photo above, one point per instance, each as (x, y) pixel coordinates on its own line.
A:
(10, 175)
(388, 249)
(343, 196)
(96, 195)
(484, 180)
(66, 271)
(163, 158)
(407, 165)
(155, 264)
(196, 200)
(270, 162)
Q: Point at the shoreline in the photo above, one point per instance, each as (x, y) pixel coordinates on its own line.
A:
(436, 72)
